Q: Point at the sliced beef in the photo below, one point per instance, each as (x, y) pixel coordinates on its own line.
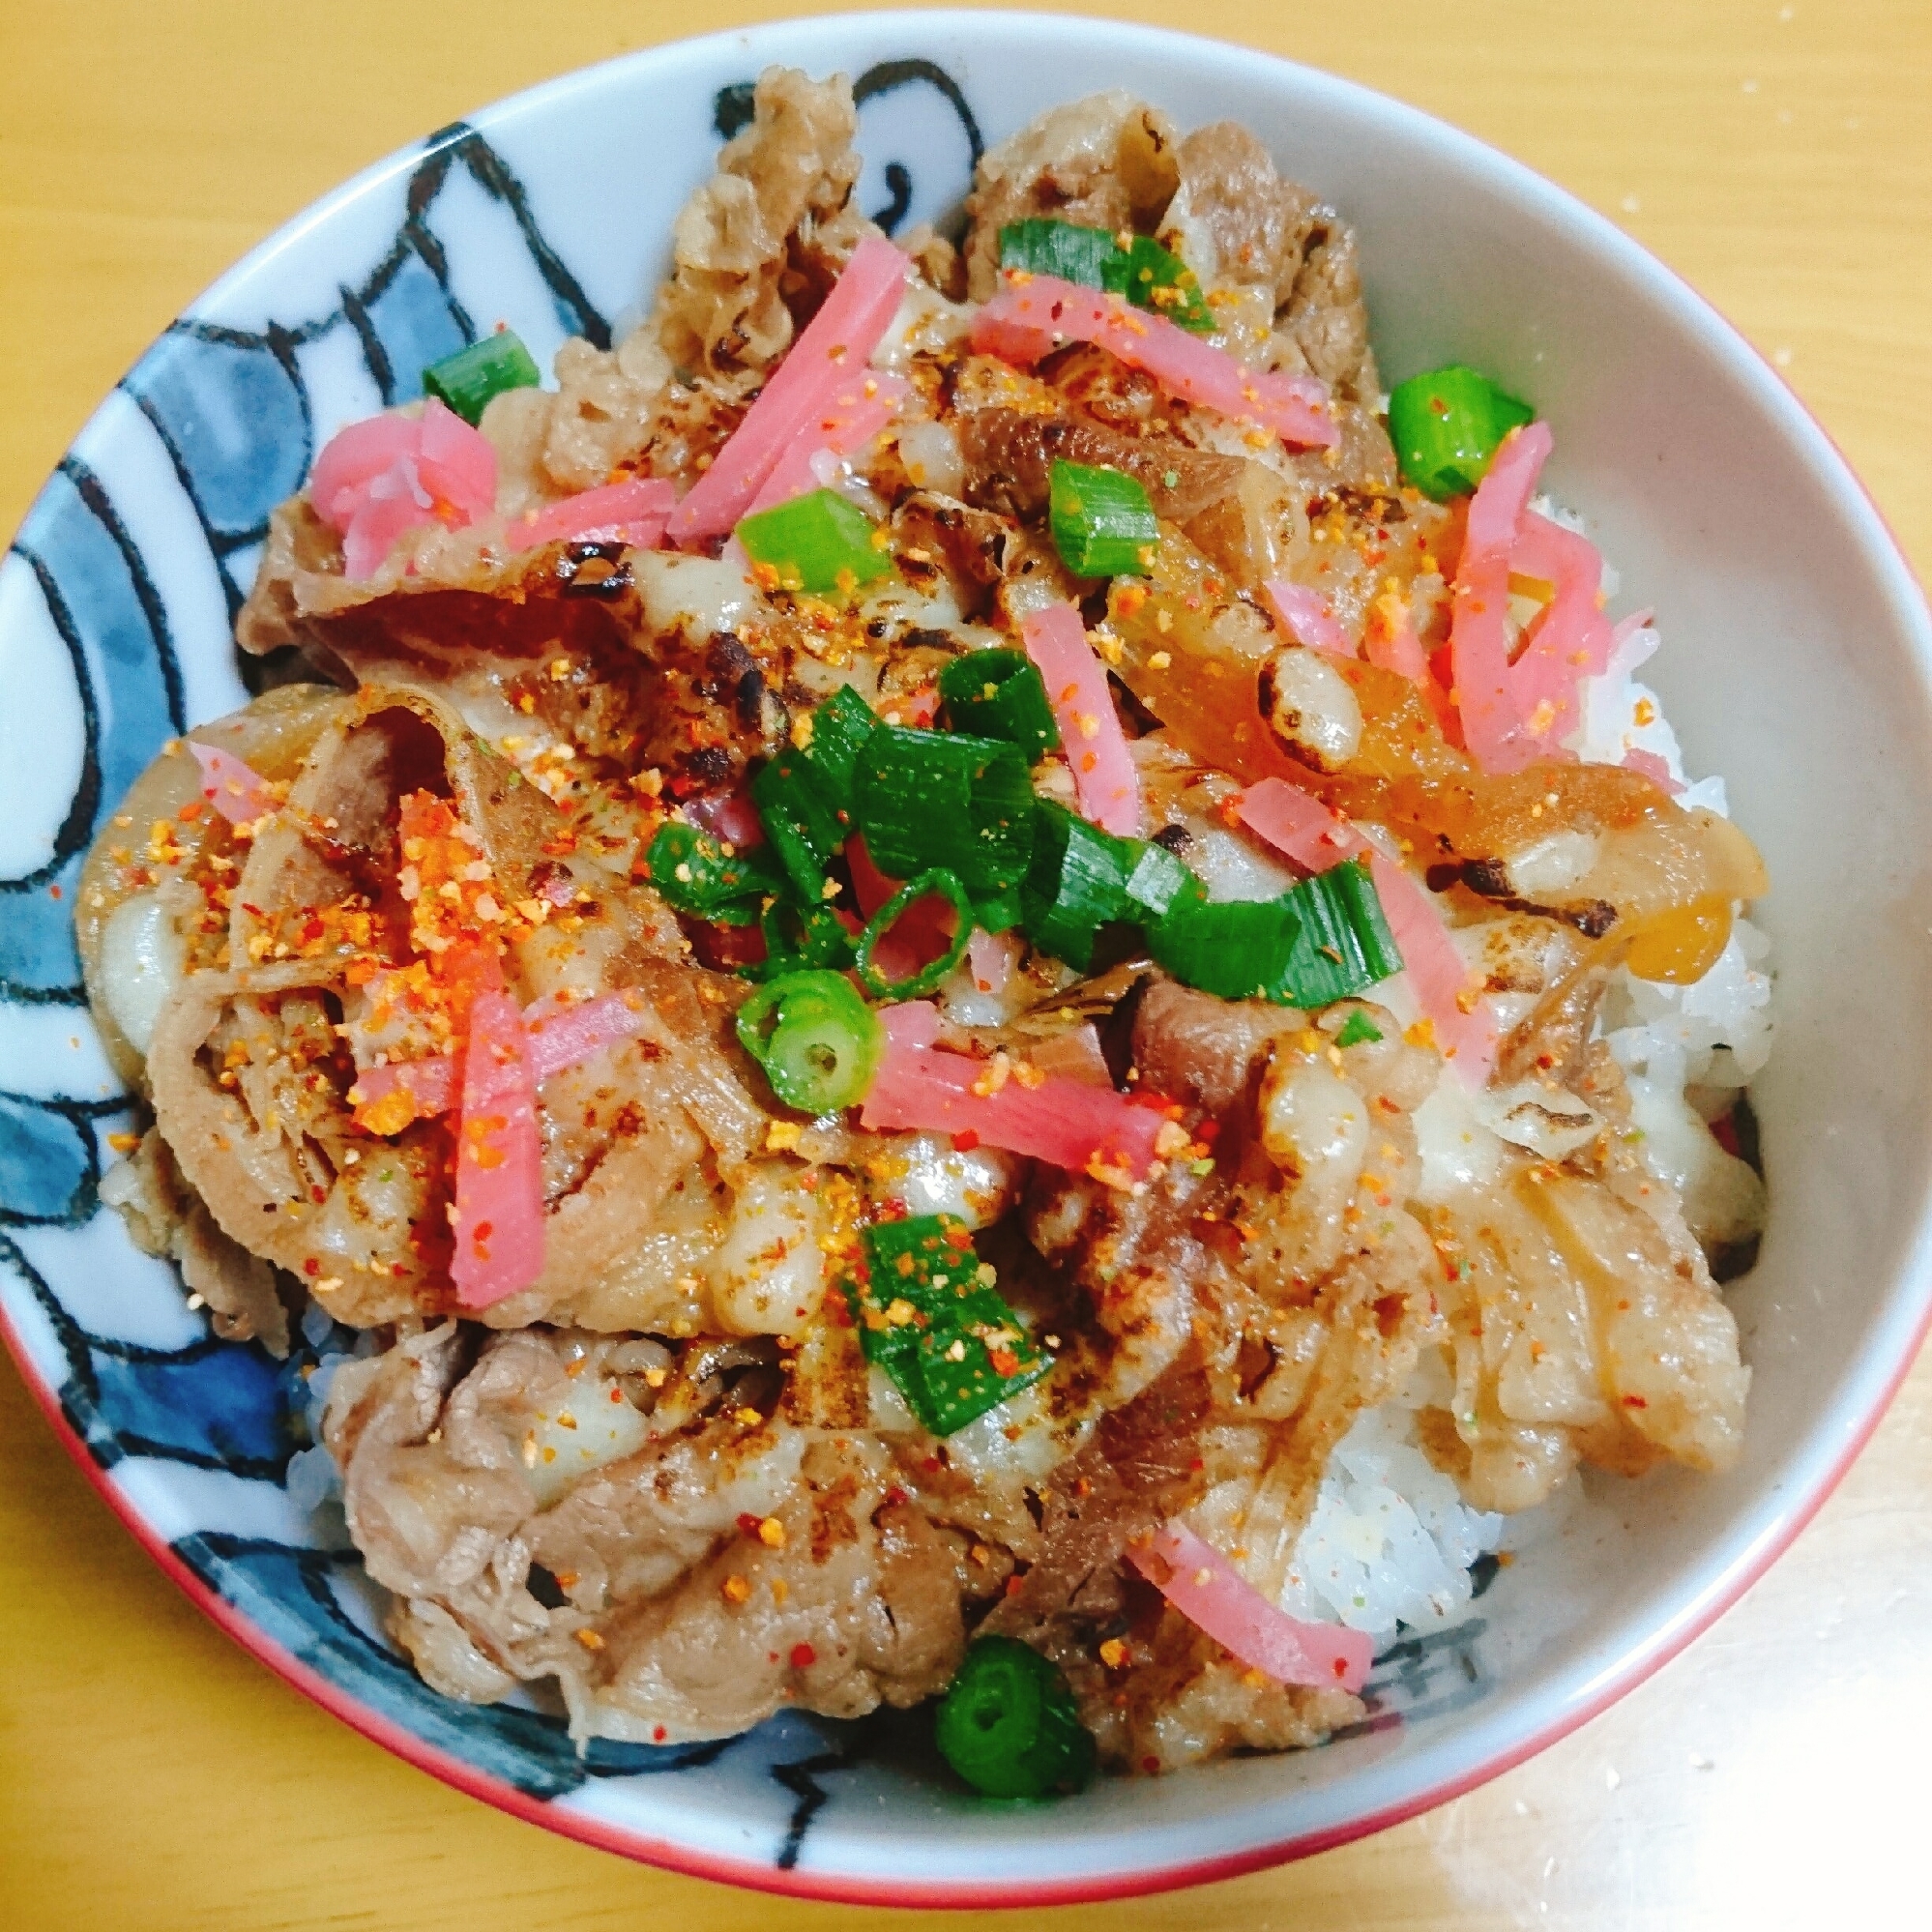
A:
(1199, 1049)
(1238, 222)
(1010, 456)
(1142, 1466)
(1106, 161)
(729, 1565)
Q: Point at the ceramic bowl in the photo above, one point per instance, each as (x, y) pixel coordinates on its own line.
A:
(1796, 663)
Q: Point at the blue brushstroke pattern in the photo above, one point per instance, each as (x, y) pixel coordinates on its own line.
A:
(215, 1404)
(48, 1164)
(96, 605)
(38, 958)
(218, 1404)
(1419, 1677)
(414, 321)
(235, 420)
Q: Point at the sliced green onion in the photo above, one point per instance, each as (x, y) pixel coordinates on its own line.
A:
(467, 381)
(817, 542)
(1000, 695)
(973, 1359)
(693, 873)
(1059, 248)
(1343, 944)
(1358, 1030)
(929, 798)
(1151, 278)
(1103, 524)
(817, 1040)
(1009, 1724)
(1321, 941)
(1156, 879)
(916, 1272)
(800, 825)
(944, 884)
(840, 729)
(1237, 950)
(799, 937)
(1076, 883)
(1446, 426)
(1148, 275)
(1000, 912)
(946, 1337)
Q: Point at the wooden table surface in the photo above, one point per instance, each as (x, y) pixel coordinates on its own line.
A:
(152, 1775)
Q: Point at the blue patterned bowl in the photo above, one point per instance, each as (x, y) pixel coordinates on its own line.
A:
(1714, 492)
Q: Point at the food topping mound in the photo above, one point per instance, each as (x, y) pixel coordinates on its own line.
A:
(962, 978)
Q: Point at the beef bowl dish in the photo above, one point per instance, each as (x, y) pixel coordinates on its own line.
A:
(963, 990)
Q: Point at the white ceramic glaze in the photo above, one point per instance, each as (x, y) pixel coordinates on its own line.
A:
(1796, 661)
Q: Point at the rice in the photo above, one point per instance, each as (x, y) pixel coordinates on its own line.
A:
(311, 1478)
(1685, 1051)
(1389, 1542)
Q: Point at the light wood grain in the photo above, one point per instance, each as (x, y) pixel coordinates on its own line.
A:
(152, 1776)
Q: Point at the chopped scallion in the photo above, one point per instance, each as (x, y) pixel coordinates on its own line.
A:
(1103, 524)
(817, 1040)
(927, 798)
(973, 1362)
(817, 542)
(1446, 426)
(840, 729)
(1000, 912)
(1152, 277)
(1343, 944)
(1236, 950)
(1010, 1726)
(936, 883)
(945, 1335)
(799, 824)
(1076, 883)
(693, 873)
(1358, 1030)
(1154, 880)
(1321, 941)
(467, 381)
(798, 937)
(1057, 249)
(1000, 693)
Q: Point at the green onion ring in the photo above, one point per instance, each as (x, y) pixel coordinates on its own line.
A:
(882, 921)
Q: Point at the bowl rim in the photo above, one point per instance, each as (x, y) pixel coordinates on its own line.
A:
(1869, 1382)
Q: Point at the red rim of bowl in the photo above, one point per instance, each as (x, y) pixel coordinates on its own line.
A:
(1636, 1667)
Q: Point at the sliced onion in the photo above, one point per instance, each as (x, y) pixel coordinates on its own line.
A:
(231, 785)
(1104, 779)
(1073, 1125)
(1031, 317)
(499, 1221)
(1207, 1589)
